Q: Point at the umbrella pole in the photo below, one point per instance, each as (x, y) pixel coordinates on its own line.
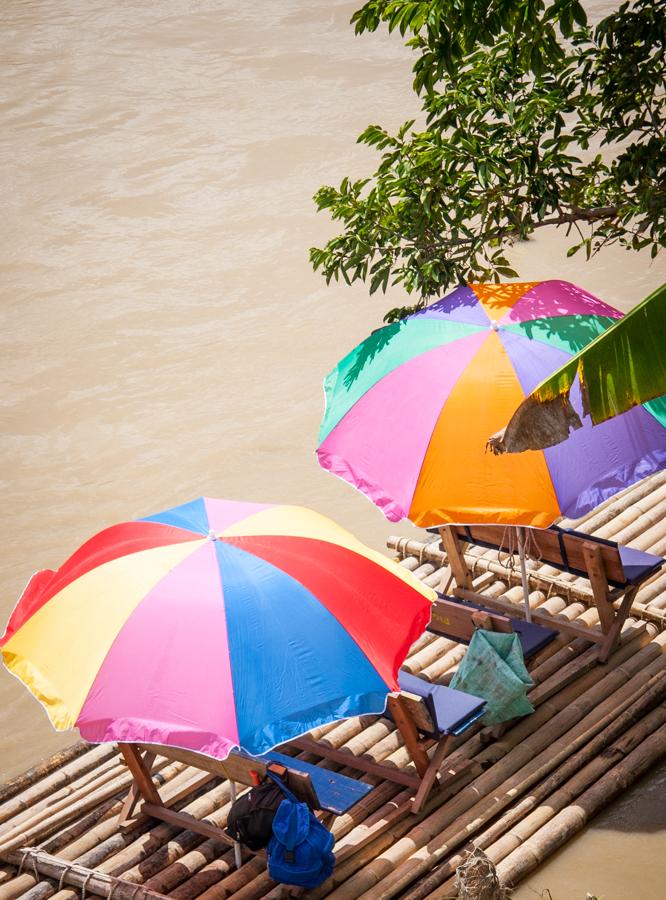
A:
(237, 848)
(523, 573)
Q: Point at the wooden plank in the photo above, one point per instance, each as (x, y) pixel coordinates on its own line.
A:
(596, 574)
(544, 545)
(453, 619)
(134, 794)
(235, 767)
(457, 562)
(362, 763)
(594, 635)
(186, 822)
(418, 710)
(247, 770)
(405, 725)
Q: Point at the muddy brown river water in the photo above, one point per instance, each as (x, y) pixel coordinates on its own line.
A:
(162, 333)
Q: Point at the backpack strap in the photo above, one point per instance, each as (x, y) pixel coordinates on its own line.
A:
(283, 787)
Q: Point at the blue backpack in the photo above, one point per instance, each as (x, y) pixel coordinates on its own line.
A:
(300, 851)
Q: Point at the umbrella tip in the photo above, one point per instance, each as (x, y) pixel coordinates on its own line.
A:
(211, 535)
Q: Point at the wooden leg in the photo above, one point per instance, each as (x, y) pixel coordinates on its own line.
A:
(410, 735)
(596, 574)
(457, 562)
(140, 773)
(441, 752)
(614, 632)
(134, 794)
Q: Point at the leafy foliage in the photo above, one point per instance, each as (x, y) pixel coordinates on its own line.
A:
(530, 118)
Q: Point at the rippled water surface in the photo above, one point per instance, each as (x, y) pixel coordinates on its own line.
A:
(162, 333)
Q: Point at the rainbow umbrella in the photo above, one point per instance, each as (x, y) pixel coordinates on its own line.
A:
(409, 411)
(215, 625)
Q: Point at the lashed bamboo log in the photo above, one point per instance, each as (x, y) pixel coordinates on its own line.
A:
(60, 759)
(233, 884)
(72, 852)
(570, 820)
(101, 853)
(538, 581)
(37, 788)
(42, 828)
(210, 875)
(29, 819)
(81, 877)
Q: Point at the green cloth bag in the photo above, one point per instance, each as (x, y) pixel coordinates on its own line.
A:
(493, 668)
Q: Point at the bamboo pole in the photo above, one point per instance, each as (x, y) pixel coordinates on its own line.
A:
(211, 874)
(68, 796)
(233, 884)
(81, 877)
(19, 784)
(73, 851)
(37, 788)
(571, 819)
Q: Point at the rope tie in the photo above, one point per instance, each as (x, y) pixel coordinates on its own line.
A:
(63, 875)
(84, 886)
(112, 887)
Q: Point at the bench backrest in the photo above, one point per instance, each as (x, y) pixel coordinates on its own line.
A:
(239, 768)
(458, 621)
(564, 549)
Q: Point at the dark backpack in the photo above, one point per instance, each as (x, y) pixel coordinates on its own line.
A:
(251, 816)
(300, 851)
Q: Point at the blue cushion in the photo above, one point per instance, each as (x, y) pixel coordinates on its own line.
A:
(532, 637)
(638, 565)
(452, 711)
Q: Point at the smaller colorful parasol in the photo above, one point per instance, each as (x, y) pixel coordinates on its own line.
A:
(215, 625)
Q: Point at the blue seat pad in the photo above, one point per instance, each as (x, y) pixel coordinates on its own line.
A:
(637, 564)
(453, 710)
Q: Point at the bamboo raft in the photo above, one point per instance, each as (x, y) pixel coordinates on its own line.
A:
(595, 730)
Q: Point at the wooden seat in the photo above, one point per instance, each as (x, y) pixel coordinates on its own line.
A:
(615, 572)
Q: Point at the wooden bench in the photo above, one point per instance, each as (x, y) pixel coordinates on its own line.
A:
(319, 788)
(456, 618)
(615, 572)
(425, 714)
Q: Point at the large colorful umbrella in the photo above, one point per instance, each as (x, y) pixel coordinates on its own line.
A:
(215, 625)
(622, 368)
(409, 411)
